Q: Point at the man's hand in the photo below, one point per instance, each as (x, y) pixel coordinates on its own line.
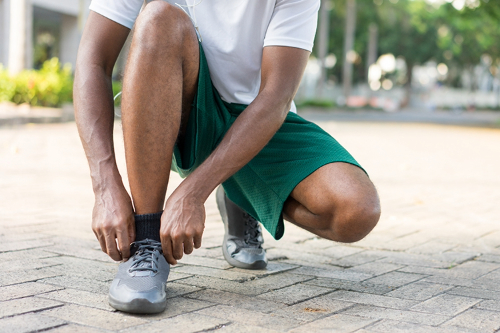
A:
(113, 219)
(182, 225)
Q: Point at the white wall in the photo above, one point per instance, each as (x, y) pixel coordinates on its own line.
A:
(68, 7)
(4, 36)
(70, 39)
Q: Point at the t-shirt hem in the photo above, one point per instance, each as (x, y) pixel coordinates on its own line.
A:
(113, 16)
(291, 42)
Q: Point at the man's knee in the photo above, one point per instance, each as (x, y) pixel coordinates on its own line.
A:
(160, 24)
(355, 217)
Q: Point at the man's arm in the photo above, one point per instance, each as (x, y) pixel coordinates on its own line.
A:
(112, 217)
(282, 69)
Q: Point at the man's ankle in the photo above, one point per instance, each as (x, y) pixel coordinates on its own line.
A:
(148, 226)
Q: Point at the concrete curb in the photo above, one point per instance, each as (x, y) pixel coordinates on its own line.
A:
(12, 115)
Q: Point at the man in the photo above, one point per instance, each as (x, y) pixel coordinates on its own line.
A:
(207, 92)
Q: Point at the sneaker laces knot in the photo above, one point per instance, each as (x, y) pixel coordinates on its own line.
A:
(253, 233)
(146, 256)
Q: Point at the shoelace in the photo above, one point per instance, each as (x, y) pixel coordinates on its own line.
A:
(146, 256)
(252, 232)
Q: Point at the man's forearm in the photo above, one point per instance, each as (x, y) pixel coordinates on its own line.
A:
(251, 131)
(95, 117)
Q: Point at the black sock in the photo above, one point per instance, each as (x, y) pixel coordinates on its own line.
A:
(147, 226)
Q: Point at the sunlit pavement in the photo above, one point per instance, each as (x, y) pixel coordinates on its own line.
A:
(431, 265)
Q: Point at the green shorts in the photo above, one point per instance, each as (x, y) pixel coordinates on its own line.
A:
(262, 186)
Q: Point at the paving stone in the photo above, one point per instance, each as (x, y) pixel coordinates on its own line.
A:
(79, 283)
(313, 308)
(377, 300)
(337, 323)
(294, 294)
(394, 326)
(426, 213)
(419, 291)
(25, 305)
(442, 260)
(25, 289)
(253, 287)
(400, 315)
(273, 267)
(239, 328)
(79, 248)
(178, 306)
(489, 305)
(448, 305)
(333, 272)
(208, 253)
(236, 300)
(432, 247)
(468, 270)
(489, 258)
(375, 268)
(473, 292)
(24, 245)
(80, 297)
(395, 279)
(177, 289)
(7, 237)
(8, 278)
(340, 251)
(493, 275)
(360, 258)
(485, 321)
(31, 254)
(186, 323)
(174, 276)
(31, 322)
(213, 272)
(363, 287)
(94, 317)
(207, 262)
(20, 265)
(249, 317)
(73, 328)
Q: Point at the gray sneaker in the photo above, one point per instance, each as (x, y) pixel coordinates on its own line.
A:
(140, 284)
(242, 246)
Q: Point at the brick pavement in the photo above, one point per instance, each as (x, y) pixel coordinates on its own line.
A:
(431, 265)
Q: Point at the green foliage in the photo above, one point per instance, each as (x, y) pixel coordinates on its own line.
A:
(316, 103)
(52, 85)
(7, 85)
(117, 88)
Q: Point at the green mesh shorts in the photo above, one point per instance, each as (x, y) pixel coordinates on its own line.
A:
(261, 187)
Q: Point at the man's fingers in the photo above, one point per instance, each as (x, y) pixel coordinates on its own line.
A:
(124, 245)
(197, 241)
(131, 232)
(188, 245)
(112, 251)
(102, 242)
(166, 246)
(177, 248)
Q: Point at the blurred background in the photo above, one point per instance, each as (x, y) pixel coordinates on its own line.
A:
(390, 55)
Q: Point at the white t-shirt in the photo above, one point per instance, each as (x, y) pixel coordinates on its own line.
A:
(233, 34)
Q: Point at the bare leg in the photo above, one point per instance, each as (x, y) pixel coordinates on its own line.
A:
(336, 202)
(159, 86)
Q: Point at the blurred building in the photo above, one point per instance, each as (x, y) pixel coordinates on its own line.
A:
(32, 31)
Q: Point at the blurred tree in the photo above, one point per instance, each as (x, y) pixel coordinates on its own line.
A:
(418, 31)
(468, 36)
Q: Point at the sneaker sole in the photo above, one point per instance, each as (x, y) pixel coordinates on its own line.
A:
(139, 305)
(260, 264)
